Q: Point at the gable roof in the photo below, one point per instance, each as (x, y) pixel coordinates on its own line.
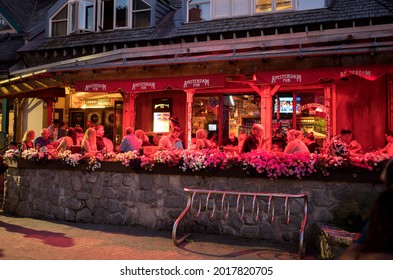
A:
(339, 11)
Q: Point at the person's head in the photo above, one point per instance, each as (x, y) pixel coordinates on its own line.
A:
(56, 123)
(258, 130)
(176, 131)
(79, 130)
(200, 134)
(174, 121)
(232, 135)
(242, 136)
(129, 130)
(346, 135)
(389, 136)
(71, 132)
(45, 134)
(100, 130)
(90, 134)
(29, 135)
(293, 134)
(62, 124)
(310, 138)
(140, 134)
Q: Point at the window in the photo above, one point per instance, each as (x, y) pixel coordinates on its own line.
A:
(4, 25)
(85, 15)
(116, 14)
(140, 14)
(121, 13)
(262, 6)
(229, 8)
(198, 10)
(59, 23)
(73, 17)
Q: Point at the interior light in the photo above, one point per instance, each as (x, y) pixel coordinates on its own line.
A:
(231, 100)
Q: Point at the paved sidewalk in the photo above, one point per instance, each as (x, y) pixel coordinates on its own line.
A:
(31, 239)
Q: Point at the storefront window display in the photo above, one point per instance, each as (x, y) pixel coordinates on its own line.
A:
(304, 111)
(220, 115)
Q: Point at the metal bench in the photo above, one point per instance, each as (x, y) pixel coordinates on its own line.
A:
(211, 196)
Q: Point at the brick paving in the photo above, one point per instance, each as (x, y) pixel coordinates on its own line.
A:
(33, 239)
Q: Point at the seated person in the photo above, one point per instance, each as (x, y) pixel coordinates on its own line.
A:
(28, 140)
(295, 143)
(43, 140)
(69, 140)
(232, 140)
(140, 134)
(130, 142)
(312, 146)
(172, 140)
(103, 143)
(201, 141)
(339, 143)
(254, 140)
(89, 142)
(388, 149)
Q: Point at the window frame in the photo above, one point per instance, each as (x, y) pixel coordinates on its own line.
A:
(274, 7)
(5, 23)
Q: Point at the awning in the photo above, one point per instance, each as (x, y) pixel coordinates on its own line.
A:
(139, 85)
(311, 76)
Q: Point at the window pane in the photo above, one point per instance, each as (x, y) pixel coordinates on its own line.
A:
(108, 14)
(59, 28)
(263, 6)
(241, 7)
(61, 15)
(89, 23)
(141, 19)
(121, 13)
(284, 5)
(222, 8)
(199, 10)
(4, 25)
(74, 17)
(140, 5)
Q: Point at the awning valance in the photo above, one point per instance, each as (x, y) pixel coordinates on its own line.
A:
(310, 76)
(139, 85)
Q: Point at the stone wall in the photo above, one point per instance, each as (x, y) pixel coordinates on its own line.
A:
(155, 201)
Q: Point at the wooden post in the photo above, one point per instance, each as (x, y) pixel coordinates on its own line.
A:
(128, 109)
(190, 98)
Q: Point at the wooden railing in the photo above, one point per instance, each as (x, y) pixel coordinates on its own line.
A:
(206, 200)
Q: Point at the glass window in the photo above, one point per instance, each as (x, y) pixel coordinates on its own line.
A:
(228, 8)
(262, 6)
(121, 13)
(284, 5)
(87, 15)
(4, 25)
(198, 10)
(241, 7)
(59, 23)
(107, 14)
(141, 12)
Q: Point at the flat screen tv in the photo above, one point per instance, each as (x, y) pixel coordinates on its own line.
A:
(286, 105)
(212, 127)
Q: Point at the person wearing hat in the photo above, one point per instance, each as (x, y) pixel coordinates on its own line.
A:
(175, 123)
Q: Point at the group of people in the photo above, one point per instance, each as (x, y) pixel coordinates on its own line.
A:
(90, 141)
(93, 140)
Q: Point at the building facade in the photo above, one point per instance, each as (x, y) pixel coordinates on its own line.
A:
(220, 65)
